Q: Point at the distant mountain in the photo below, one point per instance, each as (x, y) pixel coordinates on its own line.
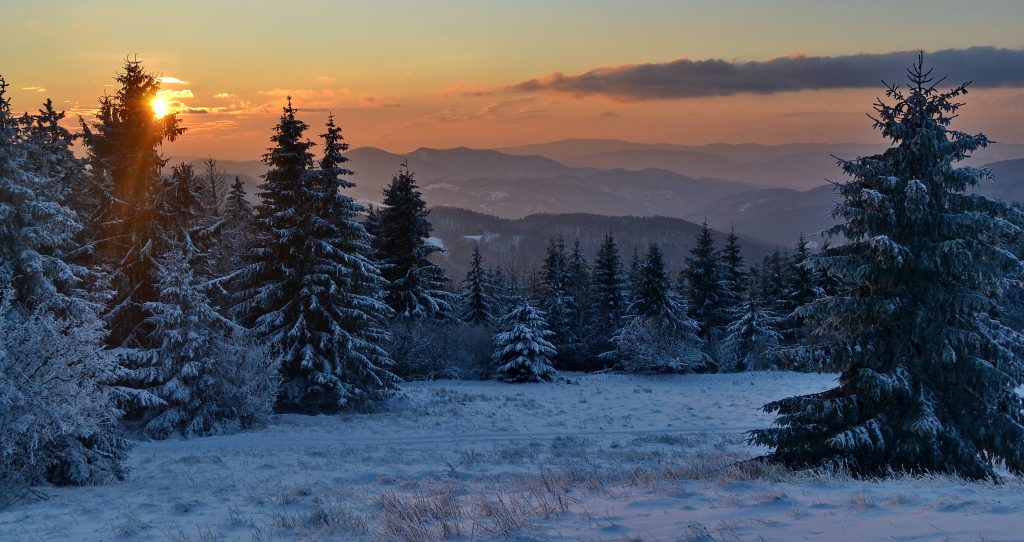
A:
(521, 243)
(515, 186)
(799, 166)
(778, 215)
(1007, 181)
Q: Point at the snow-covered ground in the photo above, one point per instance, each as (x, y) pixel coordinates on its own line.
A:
(599, 457)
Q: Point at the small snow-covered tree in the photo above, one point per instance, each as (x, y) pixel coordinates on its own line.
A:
(476, 295)
(211, 376)
(930, 378)
(59, 422)
(416, 286)
(752, 339)
(522, 352)
(658, 335)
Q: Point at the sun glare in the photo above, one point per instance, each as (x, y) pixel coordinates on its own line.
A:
(160, 107)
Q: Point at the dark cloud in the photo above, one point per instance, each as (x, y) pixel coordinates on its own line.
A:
(986, 66)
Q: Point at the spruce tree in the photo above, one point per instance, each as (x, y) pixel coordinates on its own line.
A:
(235, 239)
(477, 293)
(733, 276)
(37, 229)
(658, 335)
(609, 297)
(801, 288)
(126, 164)
(701, 280)
(753, 338)
(209, 376)
(554, 296)
(310, 288)
(930, 378)
(522, 352)
(578, 286)
(416, 285)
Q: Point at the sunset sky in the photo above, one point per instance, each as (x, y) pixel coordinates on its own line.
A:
(405, 74)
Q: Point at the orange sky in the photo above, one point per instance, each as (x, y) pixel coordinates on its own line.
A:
(402, 74)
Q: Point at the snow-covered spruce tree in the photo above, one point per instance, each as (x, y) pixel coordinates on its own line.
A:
(701, 281)
(210, 375)
(125, 165)
(752, 340)
(581, 353)
(733, 277)
(36, 228)
(609, 294)
(522, 352)
(929, 378)
(416, 286)
(658, 335)
(555, 299)
(476, 293)
(239, 222)
(58, 418)
(310, 288)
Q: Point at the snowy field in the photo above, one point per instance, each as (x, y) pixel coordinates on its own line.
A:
(599, 457)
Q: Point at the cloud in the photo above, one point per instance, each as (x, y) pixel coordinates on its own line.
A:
(36, 89)
(167, 80)
(465, 90)
(175, 94)
(684, 78)
(610, 115)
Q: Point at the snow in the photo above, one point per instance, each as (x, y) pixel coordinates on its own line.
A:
(588, 457)
(436, 241)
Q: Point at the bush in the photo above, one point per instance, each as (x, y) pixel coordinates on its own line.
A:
(644, 347)
(58, 419)
(440, 350)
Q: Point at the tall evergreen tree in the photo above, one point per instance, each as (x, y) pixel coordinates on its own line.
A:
(310, 288)
(123, 156)
(477, 293)
(237, 234)
(701, 280)
(555, 298)
(753, 338)
(416, 285)
(930, 378)
(609, 293)
(37, 229)
(658, 335)
(733, 276)
(801, 288)
(578, 286)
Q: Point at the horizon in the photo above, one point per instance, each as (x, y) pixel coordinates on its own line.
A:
(685, 73)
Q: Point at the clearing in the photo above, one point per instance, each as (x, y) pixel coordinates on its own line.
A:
(593, 457)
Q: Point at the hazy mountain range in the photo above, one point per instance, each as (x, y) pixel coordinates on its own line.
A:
(767, 192)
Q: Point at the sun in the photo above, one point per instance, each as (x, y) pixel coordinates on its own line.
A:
(160, 107)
